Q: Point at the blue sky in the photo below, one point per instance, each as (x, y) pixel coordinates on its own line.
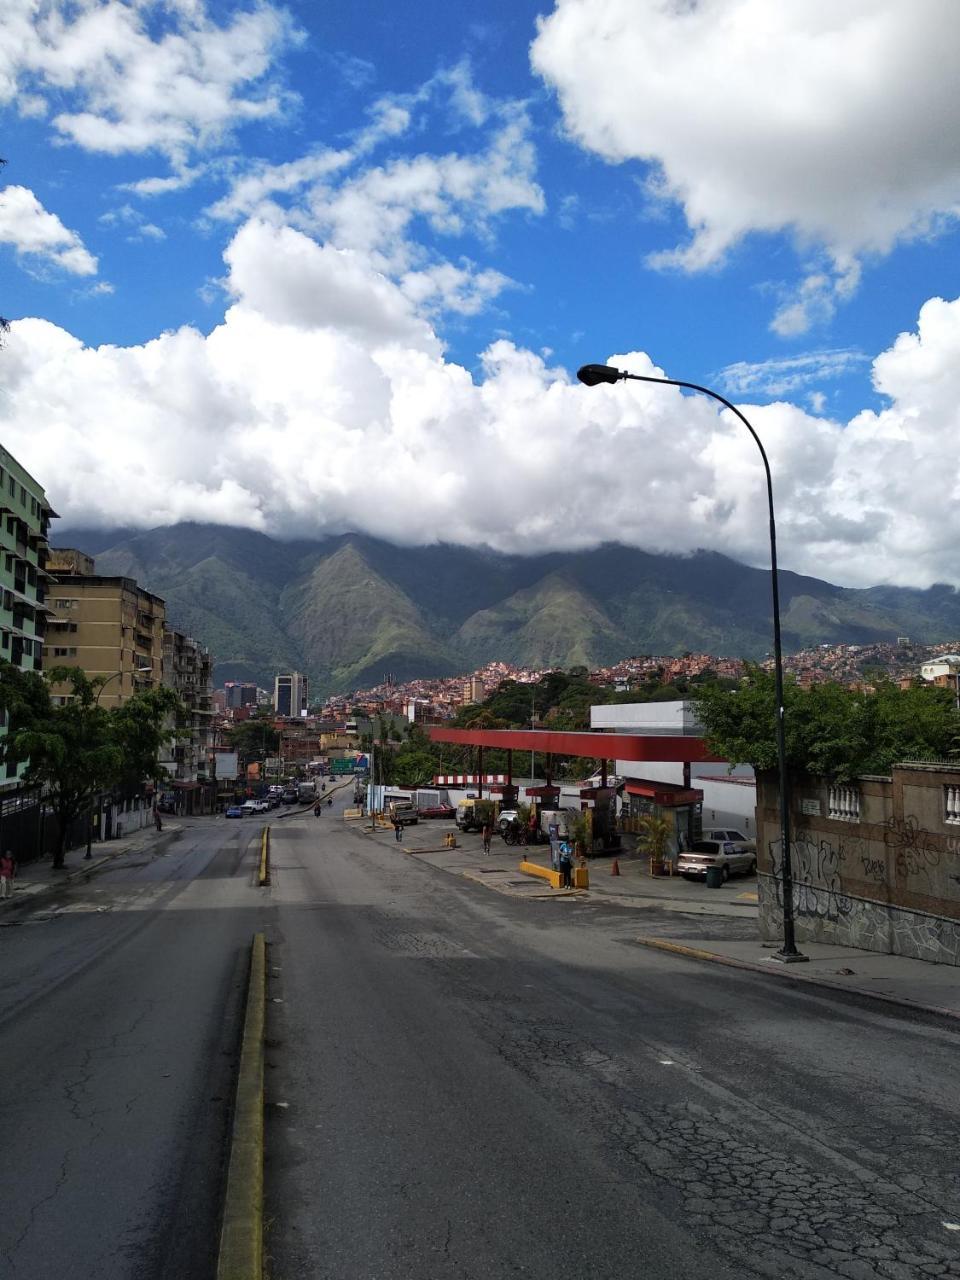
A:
(310, 267)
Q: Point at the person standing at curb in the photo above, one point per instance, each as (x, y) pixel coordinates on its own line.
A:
(8, 869)
(157, 819)
(486, 834)
(553, 831)
(566, 865)
(398, 830)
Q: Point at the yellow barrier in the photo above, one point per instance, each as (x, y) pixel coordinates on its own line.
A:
(241, 1237)
(581, 877)
(263, 877)
(545, 873)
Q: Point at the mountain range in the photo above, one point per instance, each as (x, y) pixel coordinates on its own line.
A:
(347, 609)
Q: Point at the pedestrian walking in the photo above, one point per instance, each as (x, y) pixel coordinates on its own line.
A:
(398, 830)
(8, 869)
(486, 833)
(157, 819)
(566, 865)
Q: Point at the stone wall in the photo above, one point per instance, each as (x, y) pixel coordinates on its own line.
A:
(875, 866)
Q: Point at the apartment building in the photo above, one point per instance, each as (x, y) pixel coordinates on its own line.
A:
(188, 671)
(108, 626)
(25, 516)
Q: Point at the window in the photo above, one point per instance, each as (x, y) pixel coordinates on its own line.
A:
(9, 563)
(5, 640)
(13, 489)
(64, 653)
(844, 804)
(951, 803)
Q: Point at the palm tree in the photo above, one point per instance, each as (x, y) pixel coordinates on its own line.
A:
(656, 833)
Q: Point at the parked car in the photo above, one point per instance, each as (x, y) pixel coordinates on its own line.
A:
(255, 806)
(290, 796)
(731, 835)
(273, 800)
(437, 811)
(233, 811)
(506, 817)
(733, 859)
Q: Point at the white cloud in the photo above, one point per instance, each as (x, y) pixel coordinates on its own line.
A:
(137, 226)
(155, 75)
(396, 214)
(34, 231)
(789, 374)
(323, 402)
(838, 124)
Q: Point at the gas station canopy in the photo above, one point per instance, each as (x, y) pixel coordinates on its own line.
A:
(596, 746)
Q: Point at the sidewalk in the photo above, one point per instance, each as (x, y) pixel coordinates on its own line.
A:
(633, 887)
(36, 879)
(919, 984)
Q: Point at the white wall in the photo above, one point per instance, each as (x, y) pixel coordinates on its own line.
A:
(647, 717)
(729, 796)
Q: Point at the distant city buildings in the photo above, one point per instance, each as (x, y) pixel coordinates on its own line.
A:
(239, 694)
(290, 694)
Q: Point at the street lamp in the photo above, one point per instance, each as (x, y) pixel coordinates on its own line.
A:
(593, 375)
(137, 671)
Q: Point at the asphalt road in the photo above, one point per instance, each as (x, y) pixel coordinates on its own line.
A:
(120, 1006)
(462, 1085)
(459, 1085)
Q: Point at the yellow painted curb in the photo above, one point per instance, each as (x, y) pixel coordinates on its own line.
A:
(263, 877)
(241, 1237)
(545, 873)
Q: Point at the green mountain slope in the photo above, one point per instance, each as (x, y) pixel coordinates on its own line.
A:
(352, 625)
(553, 623)
(347, 609)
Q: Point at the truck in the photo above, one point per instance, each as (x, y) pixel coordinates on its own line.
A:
(473, 813)
(306, 792)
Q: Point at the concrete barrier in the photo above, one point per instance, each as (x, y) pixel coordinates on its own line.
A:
(545, 873)
(241, 1237)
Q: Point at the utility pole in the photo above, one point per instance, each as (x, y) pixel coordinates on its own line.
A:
(533, 717)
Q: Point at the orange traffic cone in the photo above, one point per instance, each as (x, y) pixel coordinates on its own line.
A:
(615, 869)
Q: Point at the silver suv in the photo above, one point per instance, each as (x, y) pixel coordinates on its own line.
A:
(704, 854)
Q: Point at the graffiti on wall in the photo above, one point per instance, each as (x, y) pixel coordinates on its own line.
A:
(820, 866)
(817, 879)
(915, 850)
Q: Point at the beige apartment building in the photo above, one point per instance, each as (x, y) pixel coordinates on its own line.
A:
(108, 626)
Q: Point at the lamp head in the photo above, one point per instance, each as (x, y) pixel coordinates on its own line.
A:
(591, 375)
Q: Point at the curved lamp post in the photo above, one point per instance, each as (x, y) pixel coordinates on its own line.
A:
(594, 374)
(137, 671)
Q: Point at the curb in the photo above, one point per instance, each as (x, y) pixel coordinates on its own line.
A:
(241, 1236)
(790, 971)
(263, 876)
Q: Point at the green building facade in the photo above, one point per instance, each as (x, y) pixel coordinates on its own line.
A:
(25, 517)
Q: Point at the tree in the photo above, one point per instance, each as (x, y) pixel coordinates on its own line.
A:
(254, 738)
(831, 730)
(140, 728)
(75, 750)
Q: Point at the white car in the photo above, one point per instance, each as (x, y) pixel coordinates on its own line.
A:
(505, 818)
(731, 836)
(255, 806)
